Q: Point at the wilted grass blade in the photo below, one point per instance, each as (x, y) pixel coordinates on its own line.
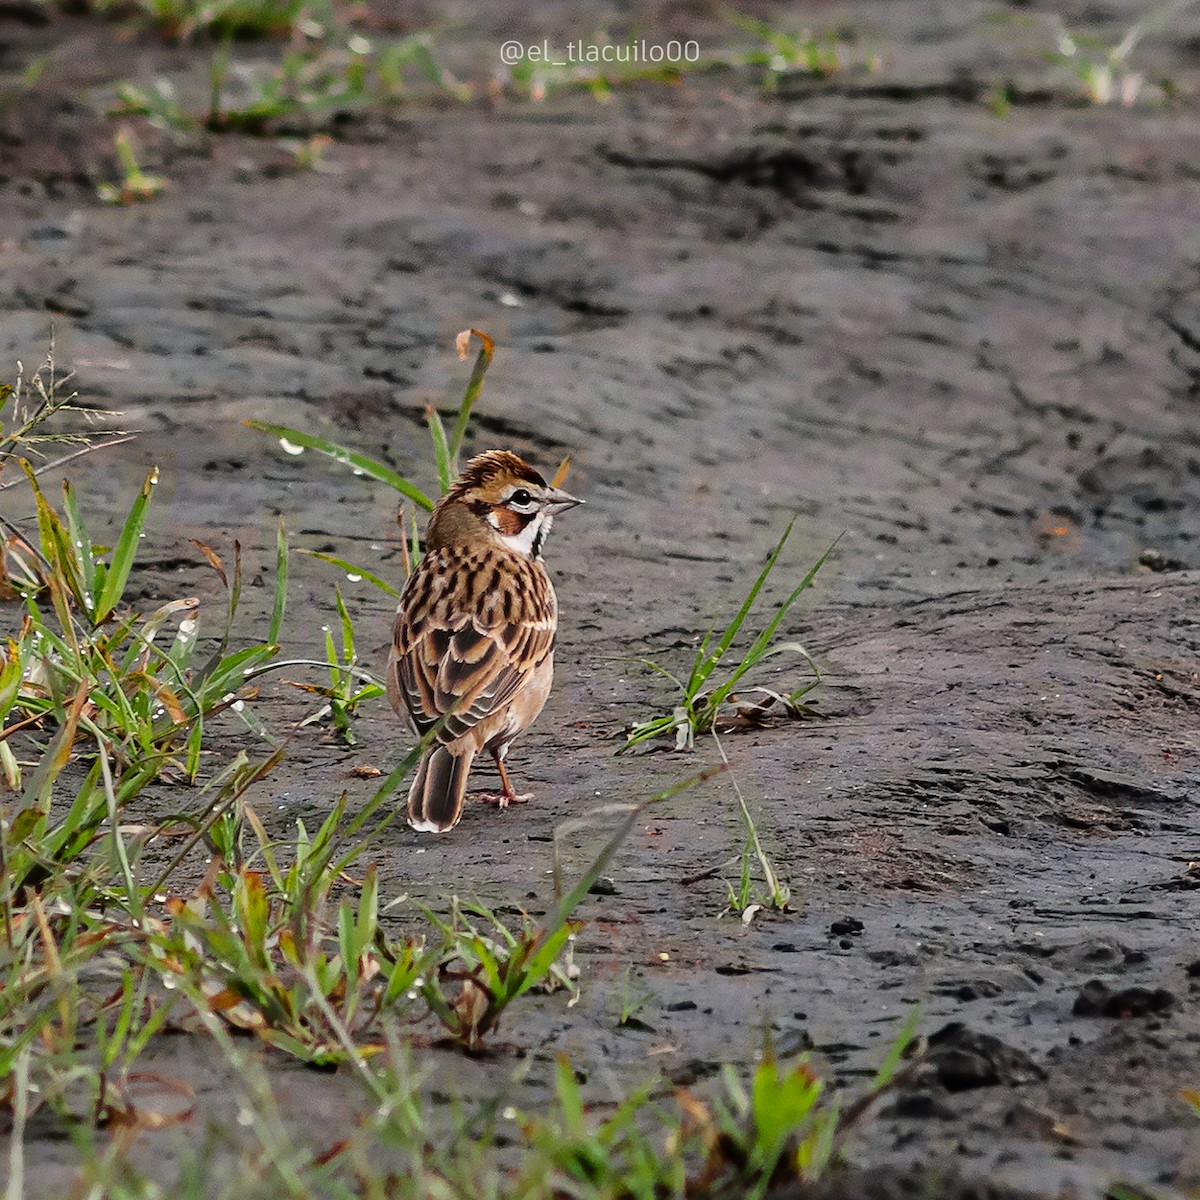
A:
(564, 469)
(780, 892)
(213, 559)
(235, 594)
(37, 791)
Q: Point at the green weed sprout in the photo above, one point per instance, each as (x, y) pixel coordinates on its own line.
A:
(273, 962)
(349, 684)
(819, 55)
(136, 185)
(1102, 68)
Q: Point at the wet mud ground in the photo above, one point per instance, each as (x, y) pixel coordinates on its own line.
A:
(969, 343)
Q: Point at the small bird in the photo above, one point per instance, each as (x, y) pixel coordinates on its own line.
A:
(473, 643)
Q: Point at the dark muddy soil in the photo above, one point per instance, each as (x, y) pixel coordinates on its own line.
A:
(971, 342)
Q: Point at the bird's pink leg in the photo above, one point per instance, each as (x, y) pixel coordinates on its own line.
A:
(507, 796)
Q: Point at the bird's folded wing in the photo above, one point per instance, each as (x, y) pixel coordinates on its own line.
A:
(469, 671)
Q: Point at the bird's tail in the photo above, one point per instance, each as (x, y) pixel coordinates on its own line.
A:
(435, 800)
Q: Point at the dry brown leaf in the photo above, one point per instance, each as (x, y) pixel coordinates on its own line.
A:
(214, 559)
(462, 342)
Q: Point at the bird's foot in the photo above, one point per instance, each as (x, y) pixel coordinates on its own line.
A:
(504, 799)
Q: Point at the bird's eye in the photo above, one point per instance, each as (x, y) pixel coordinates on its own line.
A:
(521, 498)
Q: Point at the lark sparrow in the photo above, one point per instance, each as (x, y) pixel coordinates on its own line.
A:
(473, 641)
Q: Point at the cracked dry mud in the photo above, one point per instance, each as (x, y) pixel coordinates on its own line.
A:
(972, 344)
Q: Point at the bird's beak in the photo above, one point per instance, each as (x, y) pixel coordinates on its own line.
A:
(557, 501)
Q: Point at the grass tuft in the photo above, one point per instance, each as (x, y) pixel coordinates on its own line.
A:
(705, 693)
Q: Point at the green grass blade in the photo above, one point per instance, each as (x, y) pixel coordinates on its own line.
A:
(81, 826)
(544, 957)
(235, 594)
(281, 576)
(569, 902)
(895, 1055)
(194, 741)
(487, 960)
(759, 648)
(133, 898)
(645, 731)
(127, 721)
(226, 674)
(124, 551)
(483, 360)
(650, 664)
(348, 652)
(331, 657)
(360, 462)
(705, 665)
(441, 448)
(763, 640)
(37, 791)
(350, 569)
(694, 681)
(79, 539)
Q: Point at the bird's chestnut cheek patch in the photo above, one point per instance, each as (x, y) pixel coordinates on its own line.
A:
(508, 523)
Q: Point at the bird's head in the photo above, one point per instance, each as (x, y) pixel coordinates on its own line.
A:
(498, 497)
